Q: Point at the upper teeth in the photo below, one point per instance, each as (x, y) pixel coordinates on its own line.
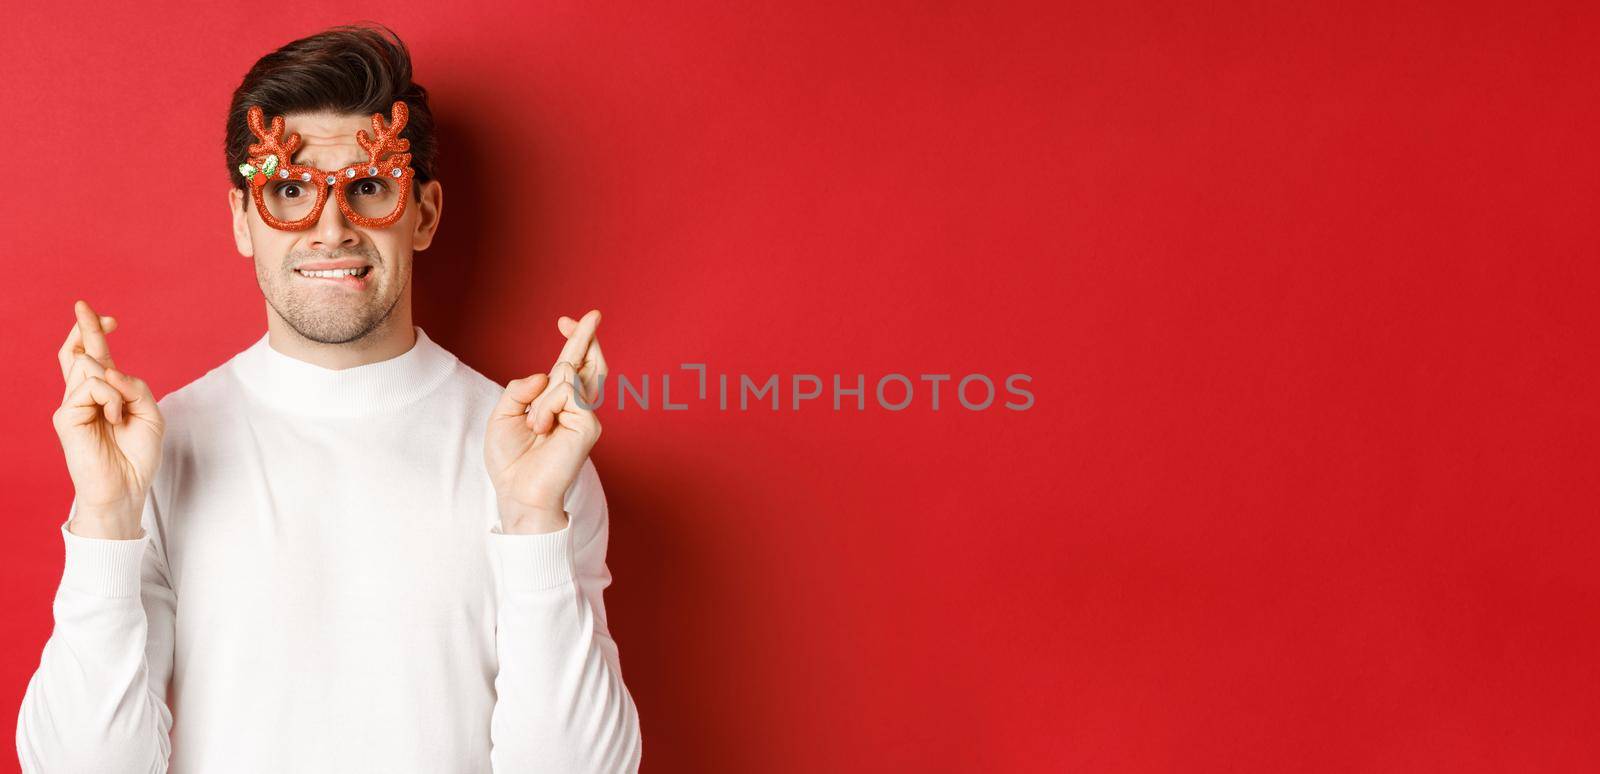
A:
(332, 272)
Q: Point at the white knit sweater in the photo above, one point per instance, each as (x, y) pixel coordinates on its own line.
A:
(322, 586)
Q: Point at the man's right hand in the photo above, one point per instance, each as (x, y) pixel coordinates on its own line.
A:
(110, 431)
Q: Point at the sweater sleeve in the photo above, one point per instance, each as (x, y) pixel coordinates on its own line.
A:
(560, 703)
(97, 701)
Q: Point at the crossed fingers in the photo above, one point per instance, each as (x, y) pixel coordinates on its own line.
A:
(581, 360)
(86, 352)
(579, 366)
(545, 400)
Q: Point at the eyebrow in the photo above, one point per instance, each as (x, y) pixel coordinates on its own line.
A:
(328, 169)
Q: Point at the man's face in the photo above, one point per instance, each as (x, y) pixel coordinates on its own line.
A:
(341, 309)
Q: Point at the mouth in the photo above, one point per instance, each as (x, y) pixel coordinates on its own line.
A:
(354, 278)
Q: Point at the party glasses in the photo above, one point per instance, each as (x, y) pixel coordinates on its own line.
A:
(290, 197)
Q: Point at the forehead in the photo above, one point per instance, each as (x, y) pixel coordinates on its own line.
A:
(327, 140)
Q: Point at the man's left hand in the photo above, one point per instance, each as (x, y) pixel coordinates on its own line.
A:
(540, 433)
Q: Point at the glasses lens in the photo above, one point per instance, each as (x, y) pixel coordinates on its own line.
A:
(372, 197)
(289, 199)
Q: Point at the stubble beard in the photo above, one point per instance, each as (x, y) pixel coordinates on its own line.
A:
(307, 309)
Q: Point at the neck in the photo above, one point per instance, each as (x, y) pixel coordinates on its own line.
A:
(393, 337)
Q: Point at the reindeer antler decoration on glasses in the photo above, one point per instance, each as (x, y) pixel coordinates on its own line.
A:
(290, 196)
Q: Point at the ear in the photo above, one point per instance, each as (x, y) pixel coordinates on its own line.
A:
(431, 204)
(241, 223)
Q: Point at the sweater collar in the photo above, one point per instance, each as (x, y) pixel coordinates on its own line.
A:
(295, 386)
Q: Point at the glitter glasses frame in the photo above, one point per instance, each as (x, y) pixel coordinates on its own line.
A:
(386, 159)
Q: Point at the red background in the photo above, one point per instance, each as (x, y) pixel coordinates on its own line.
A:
(1308, 293)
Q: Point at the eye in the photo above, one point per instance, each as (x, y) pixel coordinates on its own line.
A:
(369, 187)
(288, 191)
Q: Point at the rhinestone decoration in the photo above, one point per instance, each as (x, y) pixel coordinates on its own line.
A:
(397, 172)
(372, 171)
(351, 172)
(305, 176)
(283, 173)
(332, 179)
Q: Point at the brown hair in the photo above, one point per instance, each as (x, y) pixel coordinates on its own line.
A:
(352, 68)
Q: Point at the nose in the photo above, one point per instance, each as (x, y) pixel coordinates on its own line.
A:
(332, 229)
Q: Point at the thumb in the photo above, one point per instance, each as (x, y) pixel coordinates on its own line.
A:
(137, 398)
(519, 394)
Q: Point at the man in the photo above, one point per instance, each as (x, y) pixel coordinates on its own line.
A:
(342, 550)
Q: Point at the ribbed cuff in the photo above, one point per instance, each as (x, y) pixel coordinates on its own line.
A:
(102, 566)
(533, 562)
